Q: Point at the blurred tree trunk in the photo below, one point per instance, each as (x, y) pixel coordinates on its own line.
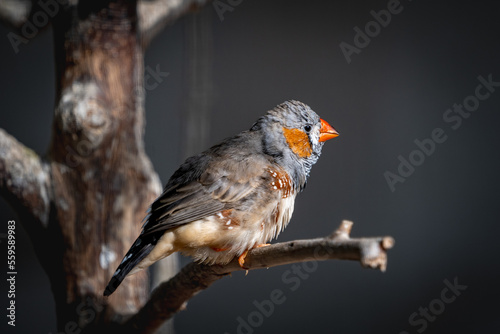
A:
(102, 179)
(82, 205)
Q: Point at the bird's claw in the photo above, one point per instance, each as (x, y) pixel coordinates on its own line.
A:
(241, 258)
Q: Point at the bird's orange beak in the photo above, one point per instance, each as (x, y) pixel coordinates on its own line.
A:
(327, 131)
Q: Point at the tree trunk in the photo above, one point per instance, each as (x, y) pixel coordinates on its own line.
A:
(83, 204)
(102, 180)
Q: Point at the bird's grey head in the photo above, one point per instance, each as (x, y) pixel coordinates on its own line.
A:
(294, 134)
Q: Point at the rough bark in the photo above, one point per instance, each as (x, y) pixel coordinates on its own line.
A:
(87, 198)
(102, 179)
(83, 205)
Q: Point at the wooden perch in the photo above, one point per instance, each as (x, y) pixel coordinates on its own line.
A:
(172, 296)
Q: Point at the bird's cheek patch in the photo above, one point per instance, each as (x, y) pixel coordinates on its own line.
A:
(298, 142)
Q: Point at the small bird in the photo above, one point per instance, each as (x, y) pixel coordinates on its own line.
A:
(233, 197)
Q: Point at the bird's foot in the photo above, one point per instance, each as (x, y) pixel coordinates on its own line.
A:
(241, 258)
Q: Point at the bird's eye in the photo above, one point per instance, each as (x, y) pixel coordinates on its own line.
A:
(307, 128)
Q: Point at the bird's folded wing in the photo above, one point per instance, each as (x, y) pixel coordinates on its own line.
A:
(214, 190)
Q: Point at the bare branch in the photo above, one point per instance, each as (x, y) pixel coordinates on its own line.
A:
(15, 12)
(155, 14)
(24, 178)
(172, 296)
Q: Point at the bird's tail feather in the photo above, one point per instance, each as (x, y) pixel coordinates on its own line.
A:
(141, 248)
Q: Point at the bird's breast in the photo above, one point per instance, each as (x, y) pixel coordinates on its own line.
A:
(279, 218)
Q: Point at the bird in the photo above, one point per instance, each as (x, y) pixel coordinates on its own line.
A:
(233, 197)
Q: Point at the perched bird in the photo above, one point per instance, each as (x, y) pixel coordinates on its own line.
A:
(233, 197)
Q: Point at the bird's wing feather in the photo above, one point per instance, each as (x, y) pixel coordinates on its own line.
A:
(196, 196)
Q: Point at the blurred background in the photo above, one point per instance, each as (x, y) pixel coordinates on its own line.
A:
(228, 68)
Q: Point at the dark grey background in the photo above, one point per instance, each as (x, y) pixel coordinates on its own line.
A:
(444, 217)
